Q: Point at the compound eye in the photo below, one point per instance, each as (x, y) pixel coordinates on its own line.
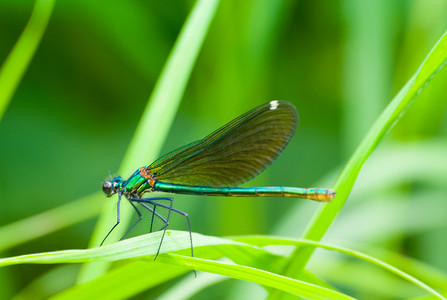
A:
(107, 188)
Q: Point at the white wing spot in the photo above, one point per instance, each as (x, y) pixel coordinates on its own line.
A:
(274, 104)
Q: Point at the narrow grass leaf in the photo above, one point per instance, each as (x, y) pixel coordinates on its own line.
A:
(123, 282)
(158, 114)
(144, 247)
(292, 286)
(143, 275)
(140, 246)
(136, 276)
(392, 113)
(21, 55)
(49, 221)
(268, 240)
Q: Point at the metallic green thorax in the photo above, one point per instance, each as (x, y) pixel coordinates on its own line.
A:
(136, 185)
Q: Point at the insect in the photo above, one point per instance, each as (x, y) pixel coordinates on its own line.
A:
(216, 165)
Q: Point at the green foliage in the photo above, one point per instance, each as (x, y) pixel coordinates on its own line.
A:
(77, 104)
(344, 183)
(21, 55)
(159, 113)
(245, 251)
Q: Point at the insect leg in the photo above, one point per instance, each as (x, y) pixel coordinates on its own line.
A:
(134, 224)
(154, 213)
(170, 208)
(117, 219)
(152, 219)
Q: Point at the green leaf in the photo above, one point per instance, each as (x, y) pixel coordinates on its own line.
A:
(157, 116)
(49, 221)
(146, 246)
(140, 246)
(327, 213)
(245, 249)
(135, 276)
(268, 240)
(293, 286)
(21, 55)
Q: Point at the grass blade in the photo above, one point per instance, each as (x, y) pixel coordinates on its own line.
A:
(158, 114)
(326, 214)
(285, 284)
(268, 240)
(20, 57)
(156, 137)
(145, 247)
(49, 221)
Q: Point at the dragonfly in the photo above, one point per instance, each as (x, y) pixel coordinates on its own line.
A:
(216, 166)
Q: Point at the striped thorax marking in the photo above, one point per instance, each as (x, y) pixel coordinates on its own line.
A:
(148, 176)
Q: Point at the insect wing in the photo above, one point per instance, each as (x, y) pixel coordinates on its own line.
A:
(233, 154)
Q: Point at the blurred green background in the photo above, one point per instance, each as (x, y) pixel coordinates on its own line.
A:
(339, 62)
